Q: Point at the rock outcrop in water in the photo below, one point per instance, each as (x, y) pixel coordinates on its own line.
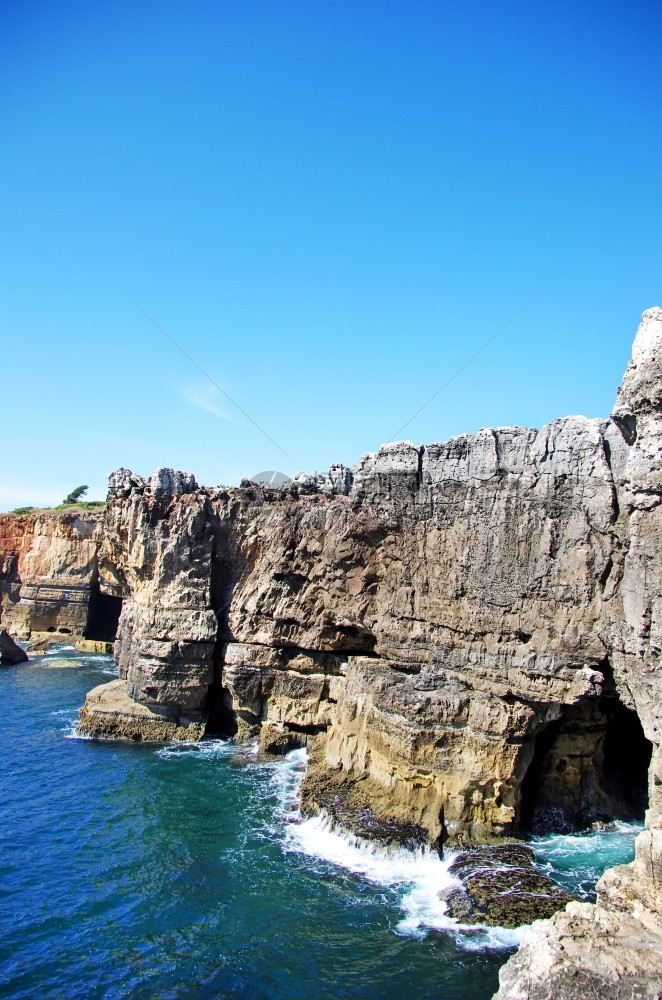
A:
(10, 653)
(612, 950)
(502, 887)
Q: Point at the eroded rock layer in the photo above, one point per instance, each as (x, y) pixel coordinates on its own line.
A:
(614, 949)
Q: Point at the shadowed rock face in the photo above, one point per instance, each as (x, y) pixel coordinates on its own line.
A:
(10, 653)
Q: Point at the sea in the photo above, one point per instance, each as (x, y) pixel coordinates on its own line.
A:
(185, 872)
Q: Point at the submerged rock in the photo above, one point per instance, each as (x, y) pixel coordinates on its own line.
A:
(502, 887)
(10, 653)
(53, 664)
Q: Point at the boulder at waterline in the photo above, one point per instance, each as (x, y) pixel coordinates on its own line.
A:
(110, 712)
(10, 653)
(502, 887)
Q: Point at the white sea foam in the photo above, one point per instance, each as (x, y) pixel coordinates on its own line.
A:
(73, 733)
(70, 729)
(415, 877)
(69, 718)
(586, 841)
(205, 749)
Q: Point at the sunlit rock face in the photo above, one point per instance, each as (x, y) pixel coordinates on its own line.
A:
(615, 947)
(48, 571)
(444, 619)
(156, 554)
(467, 635)
(634, 596)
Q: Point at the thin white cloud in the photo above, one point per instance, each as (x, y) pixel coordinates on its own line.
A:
(205, 397)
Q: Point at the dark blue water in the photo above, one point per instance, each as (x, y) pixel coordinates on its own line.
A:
(129, 871)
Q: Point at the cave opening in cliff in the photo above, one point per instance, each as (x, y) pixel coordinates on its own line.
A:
(589, 766)
(103, 615)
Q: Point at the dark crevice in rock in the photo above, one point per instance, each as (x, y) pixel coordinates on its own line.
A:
(103, 615)
(627, 424)
(589, 766)
(222, 719)
(226, 570)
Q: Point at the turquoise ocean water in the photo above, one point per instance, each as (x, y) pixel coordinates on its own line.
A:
(184, 873)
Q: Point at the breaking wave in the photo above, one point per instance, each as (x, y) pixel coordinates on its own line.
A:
(415, 877)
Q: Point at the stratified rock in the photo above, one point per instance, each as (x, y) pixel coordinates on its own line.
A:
(614, 949)
(359, 807)
(473, 626)
(109, 712)
(502, 887)
(451, 616)
(48, 571)
(276, 741)
(10, 653)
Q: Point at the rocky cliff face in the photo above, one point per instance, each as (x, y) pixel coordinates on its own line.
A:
(49, 572)
(463, 626)
(467, 635)
(614, 949)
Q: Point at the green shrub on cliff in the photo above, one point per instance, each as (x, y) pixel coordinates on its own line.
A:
(22, 510)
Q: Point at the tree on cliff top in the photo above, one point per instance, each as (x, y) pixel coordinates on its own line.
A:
(74, 496)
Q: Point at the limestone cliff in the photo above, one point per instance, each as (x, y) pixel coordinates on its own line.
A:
(49, 572)
(466, 634)
(614, 949)
(456, 620)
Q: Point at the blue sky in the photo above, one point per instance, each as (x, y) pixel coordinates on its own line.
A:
(330, 206)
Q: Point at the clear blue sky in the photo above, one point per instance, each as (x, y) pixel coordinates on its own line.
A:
(331, 206)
